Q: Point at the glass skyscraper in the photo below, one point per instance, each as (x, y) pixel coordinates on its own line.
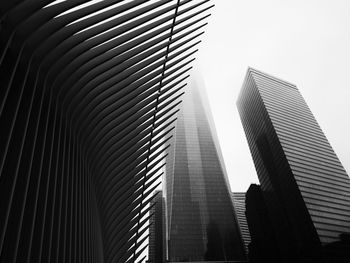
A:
(305, 187)
(201, 224)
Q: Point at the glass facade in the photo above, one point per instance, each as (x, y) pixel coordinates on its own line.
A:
(305, 186)
(201, 224)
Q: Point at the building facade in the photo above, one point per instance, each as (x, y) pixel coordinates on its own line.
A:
(201, 223)
(156, 245)
(305, 187)
(89, 91)
(238, 199)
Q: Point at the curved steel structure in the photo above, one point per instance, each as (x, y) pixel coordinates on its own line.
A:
(89, 94)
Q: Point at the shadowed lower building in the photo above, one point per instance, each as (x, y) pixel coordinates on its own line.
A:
(305, 187)
(156, 250)
(238, 199)
(263, 246)
(201, 224)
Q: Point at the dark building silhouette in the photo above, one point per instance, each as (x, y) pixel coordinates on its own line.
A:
(201, 224)
(305, 187)
(339, 251)
(238, 199)
(263, 246)
(88, 96)
(156, 250)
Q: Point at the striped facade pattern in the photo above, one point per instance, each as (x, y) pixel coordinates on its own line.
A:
(240, 208)
(297, 167)
(88, 99)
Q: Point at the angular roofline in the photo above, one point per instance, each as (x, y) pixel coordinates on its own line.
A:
(253, 70)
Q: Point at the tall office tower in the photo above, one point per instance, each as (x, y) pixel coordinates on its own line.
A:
(85, 106)
(306, 188)
(263, 246)
(156, 246)
(239, 205)
(201, 224)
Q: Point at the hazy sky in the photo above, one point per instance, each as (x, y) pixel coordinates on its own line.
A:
(305, 42)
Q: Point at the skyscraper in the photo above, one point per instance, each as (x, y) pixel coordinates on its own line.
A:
(238, 199)
(263, 246)
(156, 244)
(201, 224)
(306, 188)
(85, 108)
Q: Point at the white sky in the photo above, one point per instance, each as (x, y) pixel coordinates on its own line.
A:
(305, 42)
